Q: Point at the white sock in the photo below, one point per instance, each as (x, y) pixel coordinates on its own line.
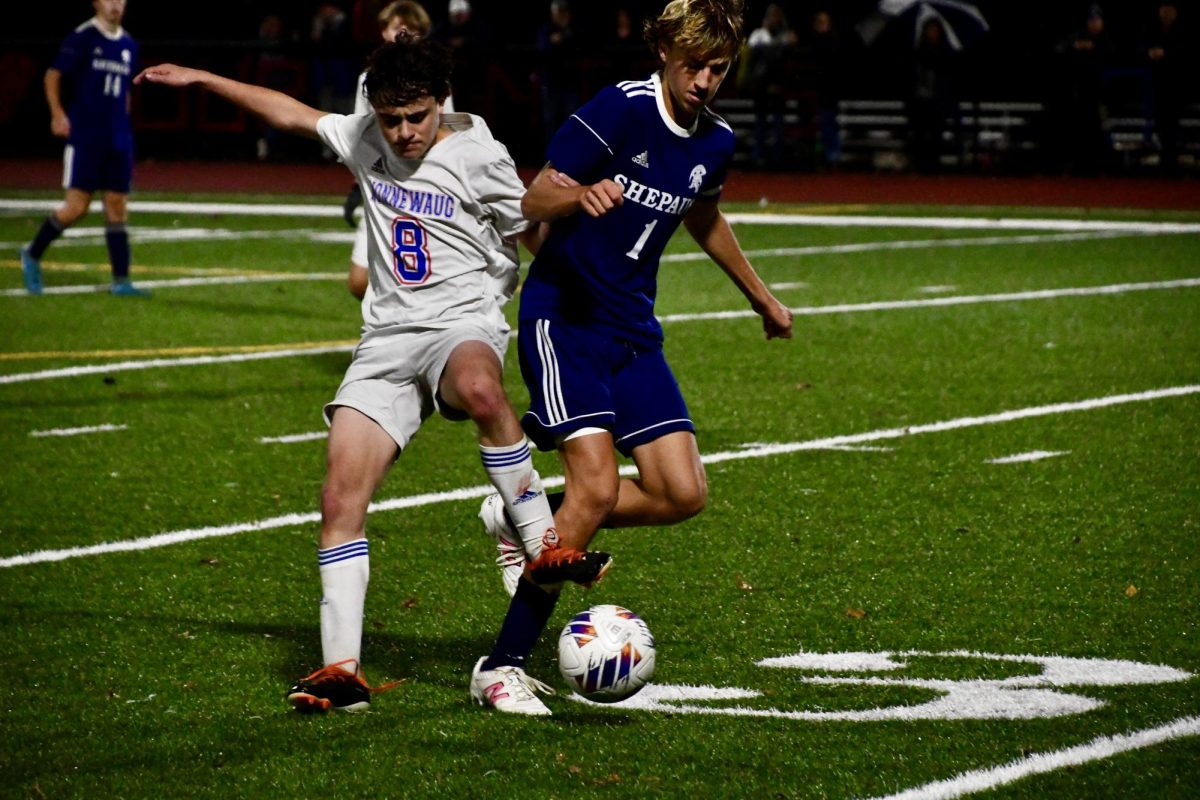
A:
(511, 472)
(345, 570)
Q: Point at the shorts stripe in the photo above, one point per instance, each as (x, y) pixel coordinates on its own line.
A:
(652, 427)
(68, 162)
(556, 407)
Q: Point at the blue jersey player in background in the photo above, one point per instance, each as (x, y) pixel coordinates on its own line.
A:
(93, 68)
(623, 172)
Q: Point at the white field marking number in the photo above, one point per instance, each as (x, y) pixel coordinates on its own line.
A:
(1027, 696)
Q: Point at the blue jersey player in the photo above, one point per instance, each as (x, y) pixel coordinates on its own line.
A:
(93, 68)
(623, 172)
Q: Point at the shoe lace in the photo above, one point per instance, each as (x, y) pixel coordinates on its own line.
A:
(556, 556)
(511, 555)
(524, 686)
(337, 673)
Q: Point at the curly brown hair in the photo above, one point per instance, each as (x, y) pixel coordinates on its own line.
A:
(404, 71)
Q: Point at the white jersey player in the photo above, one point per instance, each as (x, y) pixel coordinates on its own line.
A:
(443, 212)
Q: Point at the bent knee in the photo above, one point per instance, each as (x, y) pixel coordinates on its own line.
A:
(689, 503)
(482, 399)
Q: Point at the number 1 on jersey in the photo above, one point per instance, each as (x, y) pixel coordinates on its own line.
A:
(641, 242)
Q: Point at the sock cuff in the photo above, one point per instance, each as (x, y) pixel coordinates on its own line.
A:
(343, 552)
(114, 227)
(55, 223)
(501, 457)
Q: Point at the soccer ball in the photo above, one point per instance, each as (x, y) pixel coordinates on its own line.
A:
(606, 653)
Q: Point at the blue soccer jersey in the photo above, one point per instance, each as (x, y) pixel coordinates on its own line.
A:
(604, 272)
(97, 69)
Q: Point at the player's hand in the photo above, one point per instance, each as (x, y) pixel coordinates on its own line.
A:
(777, 319)
(353, 201)
(60, 126)
(169, 75)
(602, 197)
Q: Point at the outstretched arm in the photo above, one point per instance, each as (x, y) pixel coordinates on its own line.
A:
(550, 197)
(711, 230)
(278, 109)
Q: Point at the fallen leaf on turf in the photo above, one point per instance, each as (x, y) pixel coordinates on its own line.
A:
(1130, 590)
(741, 584)
(409, 603)
(855, 613)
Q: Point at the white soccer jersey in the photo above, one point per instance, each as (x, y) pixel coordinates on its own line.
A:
(437, 227)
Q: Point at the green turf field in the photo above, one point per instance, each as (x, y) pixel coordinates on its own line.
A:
(951, 544)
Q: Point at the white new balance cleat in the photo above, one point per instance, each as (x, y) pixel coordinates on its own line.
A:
(508, 689)
(510, 552)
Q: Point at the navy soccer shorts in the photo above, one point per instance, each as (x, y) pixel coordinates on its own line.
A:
(581, 378)
(97, 168)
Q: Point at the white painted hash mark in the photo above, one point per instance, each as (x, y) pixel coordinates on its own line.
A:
(1033, 455)
(293, 438)
(1100, 748)
(79, 431)
(471, 492)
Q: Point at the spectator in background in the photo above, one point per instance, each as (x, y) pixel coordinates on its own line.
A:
(87, 89)
(275, 69)
(824, 47)
(558, 67)
(469, 43)
(765, 73)
(1165, 50)
(333, 66)
(1082, 112)
(933, 100)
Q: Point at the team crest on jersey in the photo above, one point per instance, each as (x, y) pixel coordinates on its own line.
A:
(126, 56)
(697, 177)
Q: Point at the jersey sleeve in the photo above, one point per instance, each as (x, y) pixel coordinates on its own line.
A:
(499, 190)
(361, 104)
(587, 140)
(340, 132)
(69, 54)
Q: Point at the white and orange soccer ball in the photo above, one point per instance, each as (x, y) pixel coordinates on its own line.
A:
(606, 653)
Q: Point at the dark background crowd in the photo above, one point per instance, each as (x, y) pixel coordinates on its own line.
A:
(1045, 87)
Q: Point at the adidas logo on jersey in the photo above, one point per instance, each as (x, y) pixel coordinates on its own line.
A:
(378, 166)
(642, 159)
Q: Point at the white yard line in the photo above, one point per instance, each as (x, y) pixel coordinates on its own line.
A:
(963, 223)
(921, 244)
(125, 366)
(293, 438)
(884, 305)
(334, 210)
(1020, 458)
(471, 492)
(79, 431)
(222, 280)
(1100, 748)
(956, 300)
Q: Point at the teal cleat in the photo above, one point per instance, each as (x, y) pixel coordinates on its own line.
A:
(31, 271)
(125, 288)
